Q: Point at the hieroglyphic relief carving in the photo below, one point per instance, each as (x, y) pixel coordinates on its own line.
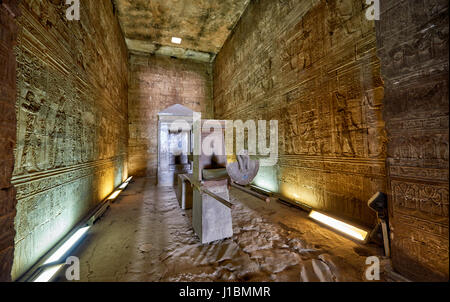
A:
(71, 111)
(432, 147)
(8, 35)
(418, 199)
(31, 141)
(166, 82)
(291, 129)
(321, 80)
(345, 124)
(415, 70)
(376, 134)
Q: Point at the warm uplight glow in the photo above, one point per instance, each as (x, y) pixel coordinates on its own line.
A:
(48, 273)
(300, 194)
(176, 40)
(114, 195)
(265, 184)
(339, 225)
(63, 249)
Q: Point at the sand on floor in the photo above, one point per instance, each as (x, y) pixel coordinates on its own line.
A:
(145, 236)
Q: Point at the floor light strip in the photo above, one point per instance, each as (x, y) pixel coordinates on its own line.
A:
(48, 273)
(114, 195)
(125, 183)
(63, 249)
(343, 227)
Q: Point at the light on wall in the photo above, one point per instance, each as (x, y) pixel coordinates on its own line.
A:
(176, 40)
(343, 227)
(47, 270)
(266, 179)
(67, 245)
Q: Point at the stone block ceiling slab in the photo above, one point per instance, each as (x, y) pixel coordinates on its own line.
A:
(202, 25)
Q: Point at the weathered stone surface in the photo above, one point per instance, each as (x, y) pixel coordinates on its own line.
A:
(72, 129)
(184, 191)
(211, 219)
(318, 66)
(271, 242)
(8, 35)
(6, 259)
(204, 25)
(412, 39)
(156, 83)
(312, 66)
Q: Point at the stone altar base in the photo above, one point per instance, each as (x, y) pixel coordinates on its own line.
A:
(184, 191)
(210, 218)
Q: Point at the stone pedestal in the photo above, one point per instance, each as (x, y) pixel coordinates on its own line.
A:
(184, 192)
(210, 218)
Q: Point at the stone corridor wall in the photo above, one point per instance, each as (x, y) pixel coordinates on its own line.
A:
(155, 83)
(72, 129)
(8, 34)
(412, 38)
(312, 66)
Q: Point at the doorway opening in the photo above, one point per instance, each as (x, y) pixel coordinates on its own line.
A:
(174, 144)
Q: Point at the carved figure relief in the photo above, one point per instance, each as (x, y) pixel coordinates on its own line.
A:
(59, 94)
(291, 129)
(344, 125)
(58, 135)
(376, 134)
(317, 87)
(32, 141)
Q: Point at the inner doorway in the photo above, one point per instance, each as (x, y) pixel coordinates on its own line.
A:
(174, 144)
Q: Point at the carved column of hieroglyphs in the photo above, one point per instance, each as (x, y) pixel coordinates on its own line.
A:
(155, 84)
(8, 35)
(311, 65)
(412, 37)
(72, 130)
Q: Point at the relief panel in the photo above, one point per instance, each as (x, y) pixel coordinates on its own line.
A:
(72, 131)
(412, 39)
(323, 78)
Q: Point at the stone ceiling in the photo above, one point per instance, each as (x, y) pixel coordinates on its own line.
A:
(203, 25)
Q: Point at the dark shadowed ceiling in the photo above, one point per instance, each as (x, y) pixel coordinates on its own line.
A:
(204, 25)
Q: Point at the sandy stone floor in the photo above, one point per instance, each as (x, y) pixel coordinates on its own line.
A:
(145, 236)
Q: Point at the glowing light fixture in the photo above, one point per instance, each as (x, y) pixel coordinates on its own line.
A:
(176, 40)
(63, 249)
(48, 273)
(125, 183)
(339, 225)
(114, 195)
